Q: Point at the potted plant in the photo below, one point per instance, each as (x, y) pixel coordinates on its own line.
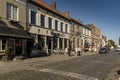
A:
(7, 52)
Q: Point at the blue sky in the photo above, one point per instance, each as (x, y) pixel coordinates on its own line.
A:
(105, 14)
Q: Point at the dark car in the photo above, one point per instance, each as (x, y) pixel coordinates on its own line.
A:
(103, 50)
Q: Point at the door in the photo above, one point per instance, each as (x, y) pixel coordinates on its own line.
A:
(18, 47)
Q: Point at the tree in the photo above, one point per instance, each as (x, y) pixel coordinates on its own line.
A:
(111, 43)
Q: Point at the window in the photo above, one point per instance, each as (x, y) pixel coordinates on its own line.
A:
(56, 25)
(50, 23)
(66, 27)
(33, 17)
(89, 33)
(65, 43)
(12, 12)
(2, 44)
(86, 32)
(83, 30)
(61, 27)
(60, 43)
(42, 21)
(73, 27)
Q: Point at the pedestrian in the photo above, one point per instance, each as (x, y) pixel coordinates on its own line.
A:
(69, 50)
(95, 49)
(79, 51)
(90, 49)
(46, 48)
(66, 50)
(76, 50)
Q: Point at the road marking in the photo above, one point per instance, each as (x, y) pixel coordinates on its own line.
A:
(69, 74)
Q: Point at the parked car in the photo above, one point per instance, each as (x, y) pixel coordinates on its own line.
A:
(117, 49)
(104, 50)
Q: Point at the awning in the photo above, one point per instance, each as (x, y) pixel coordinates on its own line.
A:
(12, 32)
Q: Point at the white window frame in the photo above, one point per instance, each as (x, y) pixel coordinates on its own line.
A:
(66, 28)
(83, 30)
(50, 23)
(10, 12)
(86, 31)
(45, 21)
(56, 25)
(31, 17)
(1, 44)
(69, 28)
(89, 33)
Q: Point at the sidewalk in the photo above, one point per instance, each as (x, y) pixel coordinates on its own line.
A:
(52, 57)
(88, 53)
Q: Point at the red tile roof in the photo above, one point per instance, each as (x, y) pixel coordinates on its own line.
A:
(76, 21)
(48, 7)
(45, 5)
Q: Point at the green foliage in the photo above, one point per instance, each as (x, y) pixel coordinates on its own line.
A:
(111, 43)
(119, 40)
(7, 50)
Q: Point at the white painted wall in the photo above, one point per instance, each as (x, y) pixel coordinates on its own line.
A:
(47, 15)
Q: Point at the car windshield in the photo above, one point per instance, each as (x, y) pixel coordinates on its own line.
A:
(118, 47)
(103, 49)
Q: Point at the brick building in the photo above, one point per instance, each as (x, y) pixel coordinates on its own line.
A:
(95, 35)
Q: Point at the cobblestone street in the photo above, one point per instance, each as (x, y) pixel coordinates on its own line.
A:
(62, 67)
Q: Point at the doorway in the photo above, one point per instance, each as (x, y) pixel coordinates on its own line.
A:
(18, 47)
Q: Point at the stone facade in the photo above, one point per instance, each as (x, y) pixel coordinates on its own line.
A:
(86, 37)
(47, 26)
(104, 41)
(75, 34)
(13, 22)
(20, 12)
(95, 34)
(49, 29)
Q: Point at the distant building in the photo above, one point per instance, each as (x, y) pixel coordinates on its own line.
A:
(86, 37)
(75, 33)
(95, 35)
(104, 41)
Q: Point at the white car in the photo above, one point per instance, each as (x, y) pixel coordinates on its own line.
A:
(117, 49)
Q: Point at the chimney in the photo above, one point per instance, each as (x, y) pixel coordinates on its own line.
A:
(53, 5)
(66, 13)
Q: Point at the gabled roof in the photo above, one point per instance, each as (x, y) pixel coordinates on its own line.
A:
(42, 4)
